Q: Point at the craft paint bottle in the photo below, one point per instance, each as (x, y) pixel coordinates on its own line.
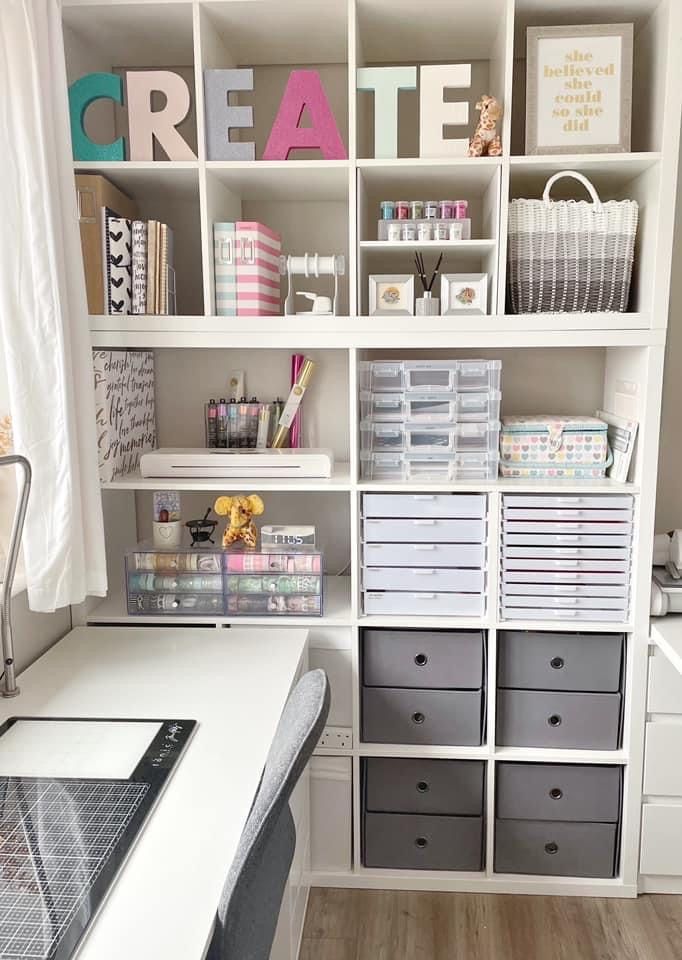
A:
(254, 410)
(222, 422)
(387, 208)
(409, 231)
(402, 210)
(211, 423)
(431, 209)
(461, 211)
(416, 209)
(424, 231)
(394, 232)
(232, 423)
(446, 209)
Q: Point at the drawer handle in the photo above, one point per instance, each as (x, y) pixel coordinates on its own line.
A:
(556, 663)
(424, 546)
(424, 496)
(421, 659)
(422, 786)
(554, 720)
(418, 717)
(551, 848)
(424, 523)
(421, 842)
(556, 793)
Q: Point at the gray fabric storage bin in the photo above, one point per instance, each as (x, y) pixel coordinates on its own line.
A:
(406, 841)
(532, 718)
(560, 661)
(441, 717)
(553, 791)
(435, 659)
(553, 848)
(416, 785)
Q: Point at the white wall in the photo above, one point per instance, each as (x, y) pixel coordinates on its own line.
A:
(669, 498)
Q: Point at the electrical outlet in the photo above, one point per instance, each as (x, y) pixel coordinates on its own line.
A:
(336, 738)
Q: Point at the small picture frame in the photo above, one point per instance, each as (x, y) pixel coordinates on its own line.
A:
(463, 293)
(391, 295)
(579, 89)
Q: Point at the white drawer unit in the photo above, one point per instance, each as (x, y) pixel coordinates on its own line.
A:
(424, 554)
(566, 557)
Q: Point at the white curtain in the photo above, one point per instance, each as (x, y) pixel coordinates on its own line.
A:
(43, 311)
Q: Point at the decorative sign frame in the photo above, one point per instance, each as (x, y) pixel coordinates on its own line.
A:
(582, 103)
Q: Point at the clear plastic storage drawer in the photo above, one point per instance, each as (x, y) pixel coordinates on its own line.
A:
(430, 437)
(174, 582)
(430, 408)
(429, 376)
(444, 467)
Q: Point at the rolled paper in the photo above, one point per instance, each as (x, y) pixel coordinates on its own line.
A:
(297, 360)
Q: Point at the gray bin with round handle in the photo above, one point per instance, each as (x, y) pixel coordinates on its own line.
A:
(554, 848)
(535, 718)
(558, 791)
(437, 659)
(441, 717)
(406, 841)
(560, 661)
(419, 785)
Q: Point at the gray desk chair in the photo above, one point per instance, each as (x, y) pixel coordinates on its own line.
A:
(252, 895)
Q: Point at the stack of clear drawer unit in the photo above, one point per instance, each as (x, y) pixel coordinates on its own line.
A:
(430, 419)
(424, 554)
(566, 557)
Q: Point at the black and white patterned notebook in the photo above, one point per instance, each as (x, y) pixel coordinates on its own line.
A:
(118, 271)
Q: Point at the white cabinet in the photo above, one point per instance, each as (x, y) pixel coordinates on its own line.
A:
(330, 814)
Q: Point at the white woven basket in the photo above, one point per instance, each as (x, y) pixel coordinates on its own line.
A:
(570, 256)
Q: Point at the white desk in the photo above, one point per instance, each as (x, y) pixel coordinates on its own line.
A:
(666, 634)
(234, 683)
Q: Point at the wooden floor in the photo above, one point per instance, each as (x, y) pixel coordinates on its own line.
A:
(396, 925)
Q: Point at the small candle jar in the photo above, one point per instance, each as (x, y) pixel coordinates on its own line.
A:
(409, 231)
(446, 209)
(431, 209)
(442, 230)
(424, 231)
(402, 210)
(455, 230)
(461, 209)
(416, 209)
(394, 231)
(387, 208)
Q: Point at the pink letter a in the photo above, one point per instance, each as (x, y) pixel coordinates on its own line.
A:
(304, 89)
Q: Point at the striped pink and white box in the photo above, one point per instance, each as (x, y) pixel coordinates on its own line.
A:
(258, 276)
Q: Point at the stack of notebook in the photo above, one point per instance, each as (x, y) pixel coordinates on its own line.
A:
(128, 262)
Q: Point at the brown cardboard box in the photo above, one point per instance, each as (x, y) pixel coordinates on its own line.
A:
(94, 192)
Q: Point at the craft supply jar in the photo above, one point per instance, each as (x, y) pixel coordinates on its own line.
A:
(424, 231)
(402, 210)
(442, 230)
(394, 231)
(427, 306)
(409, 231)
(431, 209)
(446, 209)
(456, 230)
(387, 208)
(416, 209)
(461, 209)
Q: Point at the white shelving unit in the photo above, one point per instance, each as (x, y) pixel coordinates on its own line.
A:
(567, 363)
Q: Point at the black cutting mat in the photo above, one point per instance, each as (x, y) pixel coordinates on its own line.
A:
(63, 841)
(56, 837)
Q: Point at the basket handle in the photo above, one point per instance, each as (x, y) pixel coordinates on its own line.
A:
(576, 176)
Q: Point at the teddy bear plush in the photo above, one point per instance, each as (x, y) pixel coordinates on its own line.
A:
(240, 510)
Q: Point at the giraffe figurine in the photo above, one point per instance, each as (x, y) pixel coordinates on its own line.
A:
(486, 140)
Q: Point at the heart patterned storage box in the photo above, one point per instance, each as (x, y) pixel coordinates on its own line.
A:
(554, 446)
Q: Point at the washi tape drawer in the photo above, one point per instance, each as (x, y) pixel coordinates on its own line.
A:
(424, 554)
(174, 582)
(566, 558)
(274, 583)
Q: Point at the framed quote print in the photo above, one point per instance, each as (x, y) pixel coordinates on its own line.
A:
(579, 89)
